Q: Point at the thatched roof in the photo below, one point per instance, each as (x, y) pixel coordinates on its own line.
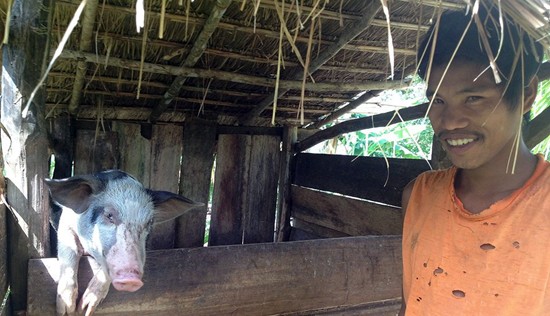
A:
(218, 60)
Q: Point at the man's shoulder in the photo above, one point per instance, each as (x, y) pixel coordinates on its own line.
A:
(432, 176)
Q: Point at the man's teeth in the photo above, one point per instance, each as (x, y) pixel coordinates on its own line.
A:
(459, 142)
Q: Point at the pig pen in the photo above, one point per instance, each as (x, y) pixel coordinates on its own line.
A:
(340, 252)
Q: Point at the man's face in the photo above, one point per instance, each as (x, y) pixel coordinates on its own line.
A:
(473, 122)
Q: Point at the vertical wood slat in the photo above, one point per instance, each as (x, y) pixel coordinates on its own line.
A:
(226, 221)
(95, 152)
(261, 190)
(290, 135)
(24, 142)
(134, 151)
(199, 141)
(245, 189)
(166, 146)
(3, 248)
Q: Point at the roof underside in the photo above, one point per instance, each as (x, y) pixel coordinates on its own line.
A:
(219, 60)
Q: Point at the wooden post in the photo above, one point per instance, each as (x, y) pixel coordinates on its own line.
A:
(290, 135)
(24, 142)
(199, 141)
(3, 245)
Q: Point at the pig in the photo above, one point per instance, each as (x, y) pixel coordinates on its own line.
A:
(108, 216)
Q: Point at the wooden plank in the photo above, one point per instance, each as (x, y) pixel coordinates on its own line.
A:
(226, 220)
(304, 230)
(3, 255)
(350, 216)
(254, 279)
(199, 144)
(379, 308)
(134, 151)
(363, 177)
(24, 141)
(261, 176)
(166, 146)
(95, 151)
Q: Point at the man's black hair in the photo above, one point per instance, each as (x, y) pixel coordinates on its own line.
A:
(451, 28)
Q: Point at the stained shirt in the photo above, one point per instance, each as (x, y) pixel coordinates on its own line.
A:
(496, 262)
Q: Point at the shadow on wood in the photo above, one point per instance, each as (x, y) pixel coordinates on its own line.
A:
(325, 276)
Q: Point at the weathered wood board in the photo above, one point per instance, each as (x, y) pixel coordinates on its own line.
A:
(166, 146)
(348, 215)
(24, 140)
(95, 151)
(199, 145)
(245, 189)
(363, 177)
(253, 279)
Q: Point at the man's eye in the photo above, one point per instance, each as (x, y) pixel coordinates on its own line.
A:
(471, 99)
(437, 101)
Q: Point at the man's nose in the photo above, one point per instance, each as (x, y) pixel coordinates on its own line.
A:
(453, 117)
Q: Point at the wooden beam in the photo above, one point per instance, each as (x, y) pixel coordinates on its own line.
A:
(155, 84)
(267, 279)
(85, 45)
(199, 46)
(353, 217)
(345, 109)
(322, 58)
(378, 120)
(230, 76)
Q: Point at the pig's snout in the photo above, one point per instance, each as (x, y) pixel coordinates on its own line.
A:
(127, 281)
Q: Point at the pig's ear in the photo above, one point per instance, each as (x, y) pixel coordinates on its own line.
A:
(169, 205)
(74, 193)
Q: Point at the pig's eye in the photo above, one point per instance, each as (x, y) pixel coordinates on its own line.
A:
(110, 217)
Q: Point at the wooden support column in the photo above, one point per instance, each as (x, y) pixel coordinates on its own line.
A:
(290, 135)
(24, 142)
(3, 245)
(199, 144)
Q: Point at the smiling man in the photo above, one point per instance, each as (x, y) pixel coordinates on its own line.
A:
(476, 237)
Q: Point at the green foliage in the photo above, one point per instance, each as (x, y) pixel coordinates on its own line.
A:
(541, 103)
(411, 140)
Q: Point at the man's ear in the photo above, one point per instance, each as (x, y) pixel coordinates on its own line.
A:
(530, 94)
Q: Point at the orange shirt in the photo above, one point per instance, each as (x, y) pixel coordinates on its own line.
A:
(496, 262)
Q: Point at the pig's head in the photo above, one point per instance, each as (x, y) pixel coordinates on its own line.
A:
(112, 214)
